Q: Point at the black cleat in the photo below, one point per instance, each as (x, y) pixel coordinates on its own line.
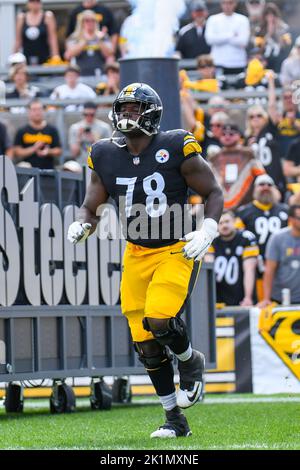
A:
(191, 386)
(176, 425)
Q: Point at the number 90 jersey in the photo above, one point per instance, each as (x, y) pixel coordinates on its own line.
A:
(228, 266)
(149, 189)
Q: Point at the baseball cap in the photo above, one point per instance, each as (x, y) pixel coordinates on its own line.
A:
(198, 5)
(16, 58)
(264, 179)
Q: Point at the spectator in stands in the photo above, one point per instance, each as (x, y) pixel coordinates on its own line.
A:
(228, 34)
(16, 58)
(290, 69)
(72, 89)
(212, 144)
(89, 46)
(255, 77)
(262, 136)
(86, 132)
(293, 196)
(287, 121)
(263, 216)
(104, 16)
(236, 167)
(112, 84)
(208, 82)
(291, 164)
(283, 262)
(234, 253)
(36, 34)
(38, 142)
(255, 10)
(5, 145)
(274, 37)
(191, 38)
(18, 74)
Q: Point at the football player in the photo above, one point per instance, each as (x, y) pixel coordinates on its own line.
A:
(154, 169)
(235, 254)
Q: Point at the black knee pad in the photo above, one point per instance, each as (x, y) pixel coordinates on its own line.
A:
(152, 354)
(175, 330)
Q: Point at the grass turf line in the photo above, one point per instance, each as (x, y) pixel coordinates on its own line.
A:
(217, 426)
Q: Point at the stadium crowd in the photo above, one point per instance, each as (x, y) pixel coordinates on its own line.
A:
(255, 154)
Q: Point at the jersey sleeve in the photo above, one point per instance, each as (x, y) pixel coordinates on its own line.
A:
(93, 156)
(211, 250)
(239, 224)
(240, 219)
(90, 161)
(250, 245)
(190, 146)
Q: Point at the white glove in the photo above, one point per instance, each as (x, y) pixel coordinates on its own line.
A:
(200, 240)
(78, 232)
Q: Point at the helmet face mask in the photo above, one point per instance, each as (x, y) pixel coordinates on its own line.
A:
(145, 118)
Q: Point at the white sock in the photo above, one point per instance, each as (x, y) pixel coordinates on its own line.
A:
(186, 355)
(168, 401)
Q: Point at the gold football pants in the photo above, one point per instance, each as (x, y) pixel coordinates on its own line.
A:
(156, 282)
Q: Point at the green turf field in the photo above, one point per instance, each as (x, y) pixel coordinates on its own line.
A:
(221, 422)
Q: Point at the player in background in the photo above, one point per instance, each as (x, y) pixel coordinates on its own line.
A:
(154, 169)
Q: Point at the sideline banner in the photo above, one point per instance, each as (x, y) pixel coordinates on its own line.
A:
(233, 372)
(275, 349)
(257, 351)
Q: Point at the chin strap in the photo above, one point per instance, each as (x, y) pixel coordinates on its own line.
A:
(114, 140)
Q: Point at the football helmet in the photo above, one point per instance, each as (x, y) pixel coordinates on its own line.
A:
(147, 119)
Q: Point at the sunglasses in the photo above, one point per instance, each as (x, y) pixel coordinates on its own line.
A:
(230, 133)
(204, 66)
(253, 116)
(216, 124)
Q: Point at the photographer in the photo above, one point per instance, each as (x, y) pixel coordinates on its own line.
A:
(84, 133)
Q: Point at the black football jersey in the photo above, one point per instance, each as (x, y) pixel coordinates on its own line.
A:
(262, 220)
(267, 150)
(228, 265)
(145, 187)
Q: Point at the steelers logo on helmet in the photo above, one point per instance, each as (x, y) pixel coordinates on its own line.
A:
(145, 117)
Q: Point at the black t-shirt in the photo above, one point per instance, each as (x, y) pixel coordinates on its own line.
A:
(267, 149)
(147, 185)
(228, 266)
(28, 136)
(91, 58)
(104, 17)
(294, 152)
(4, 140)
(287, 133)
(33, 92)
